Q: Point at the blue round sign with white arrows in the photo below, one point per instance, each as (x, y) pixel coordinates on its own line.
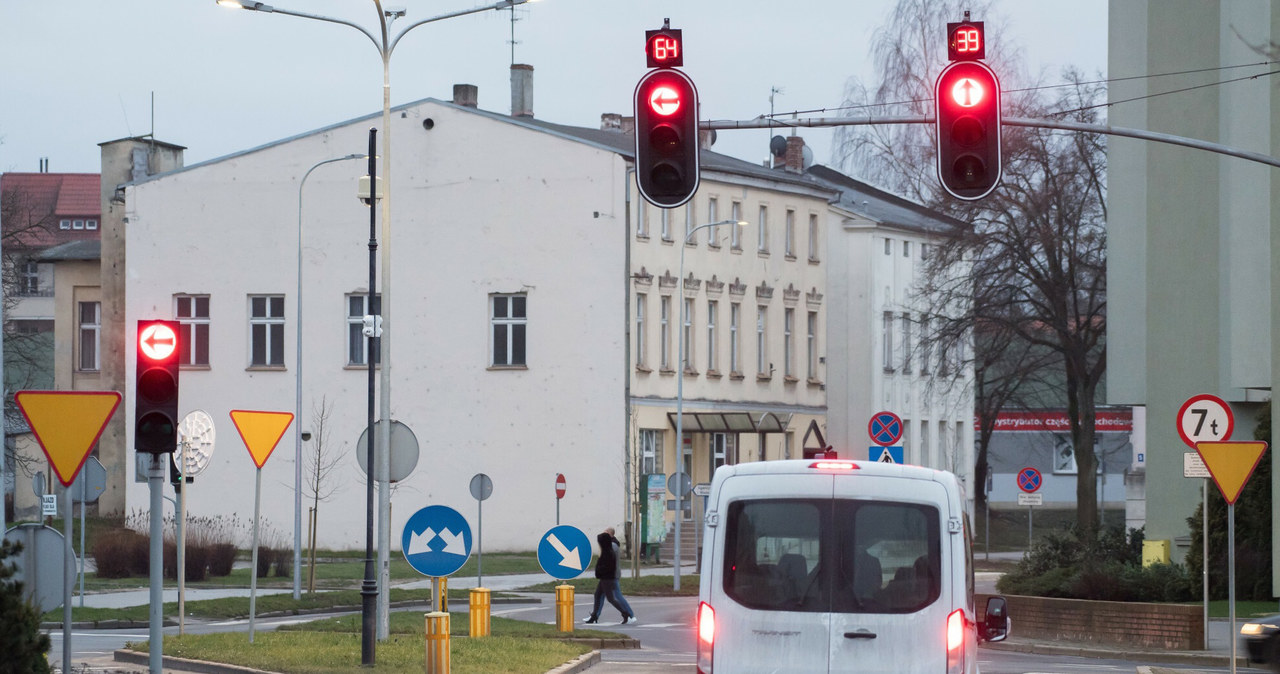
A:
(436, 541)
(564, 552)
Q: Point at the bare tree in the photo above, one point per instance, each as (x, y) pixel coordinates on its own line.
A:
(321, 462)
(1028, 282)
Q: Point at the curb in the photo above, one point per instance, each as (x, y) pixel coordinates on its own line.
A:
(578, 664)
(1202, 659)
(183, 664)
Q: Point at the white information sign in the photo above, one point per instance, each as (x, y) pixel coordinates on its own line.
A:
(1193, 465)
(1025, 499)
(49, 505)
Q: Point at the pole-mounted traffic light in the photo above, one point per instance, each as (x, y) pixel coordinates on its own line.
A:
(666, 114)
(156, 388)
(967, 109)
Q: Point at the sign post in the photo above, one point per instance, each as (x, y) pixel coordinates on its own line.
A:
(481, 489)
(560, 486)
(1029, 481)
(1203, 417)
(261, 432)
(1231, 464)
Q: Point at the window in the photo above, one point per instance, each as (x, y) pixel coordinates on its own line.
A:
(906, 342)
(924, 251)
(359, 347)
(906, 249)
(712, 308)
(762, 357)
(788, 323)
(762, 232)
(735, 318)
(90, 224)
(640, 343)
(713, 215)
(886, 338)
(650, 451)
(30, 278)
(266, 331)
(888, 246)
(789, 235)
(90, 333)
(192, 312)
(686, 335)
(772, 546)
(666, 224)
(811, 345)
(926, 345)
(665, 326)
(77, 224)
(642, 224)
(64, 224)
(813, 237)
(507, 329)
(735, 232)
(720, 445)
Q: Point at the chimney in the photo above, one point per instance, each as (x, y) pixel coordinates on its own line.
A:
(466, 95)
(610, 121)
(794, 159)
(521, 90)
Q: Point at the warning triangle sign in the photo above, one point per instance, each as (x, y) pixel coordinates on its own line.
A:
(261, 431)
(67, 424)
(1231, 464)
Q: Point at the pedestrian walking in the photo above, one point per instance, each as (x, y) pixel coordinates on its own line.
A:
(607, 585)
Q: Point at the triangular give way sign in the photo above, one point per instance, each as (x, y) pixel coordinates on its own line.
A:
(1231, 464)
(261, 431)
(67, 424)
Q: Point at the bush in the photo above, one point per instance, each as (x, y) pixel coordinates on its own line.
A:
(117, 553)
(1108, 568)
(222, 557)
(24, 646)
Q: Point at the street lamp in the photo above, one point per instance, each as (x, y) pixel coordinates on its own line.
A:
(385, 44)
(297, 465)
(680, 389)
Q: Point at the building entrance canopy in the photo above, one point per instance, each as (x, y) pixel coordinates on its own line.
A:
(732, 422)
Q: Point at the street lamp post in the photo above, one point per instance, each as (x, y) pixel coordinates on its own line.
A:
(385, 44)
(297, 435)
(680, 367)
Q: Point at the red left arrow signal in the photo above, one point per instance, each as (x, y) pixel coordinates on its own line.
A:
(664, 100)
(158, 342)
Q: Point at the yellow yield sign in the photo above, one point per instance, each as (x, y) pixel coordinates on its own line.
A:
(67, 424)
(1231, 464)
(261, 431)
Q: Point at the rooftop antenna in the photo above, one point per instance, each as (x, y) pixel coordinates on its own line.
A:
(513, 42)
(773, 91)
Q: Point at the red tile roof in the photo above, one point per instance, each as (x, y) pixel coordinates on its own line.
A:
(36, 202)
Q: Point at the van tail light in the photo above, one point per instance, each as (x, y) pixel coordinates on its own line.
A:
(706, 636)
(955, 642)
(829, 464)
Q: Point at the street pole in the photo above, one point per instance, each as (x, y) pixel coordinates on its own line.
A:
(369, 589)
(155, 645)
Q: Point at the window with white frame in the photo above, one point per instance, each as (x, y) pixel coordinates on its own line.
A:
(813, 237)
(926, 345)
(77, 224)
(666, 223)
(650, 451)
(192, 312)
(906, 249)
(735, 348)
(642, 221)
(906, 342)
(735, 232)
(361, 349)
(713, 215)
(713, 308)
(509, 324)
(886, 338)
(811, 345)
(720, 445)
(64, 224)
(90, 224)
(789, 234)
(90, 336)
(762, 356)
(686, 334)
(29, 280)
(266, 331)
(762, 231)
(888, 246)
(641, 307)
(788, 346)
(664, 322)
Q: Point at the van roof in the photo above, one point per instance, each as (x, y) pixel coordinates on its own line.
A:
(866, 468)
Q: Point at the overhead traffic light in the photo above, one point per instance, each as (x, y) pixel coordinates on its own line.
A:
(967, 108)
(156, 388)
(666, 114)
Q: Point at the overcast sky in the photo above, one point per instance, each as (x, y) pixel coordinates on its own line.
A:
(84, 71)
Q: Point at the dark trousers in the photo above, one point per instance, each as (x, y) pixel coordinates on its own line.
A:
(608, 588)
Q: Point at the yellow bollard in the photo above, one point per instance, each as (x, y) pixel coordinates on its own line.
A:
(564, 608)
(479, 609)
(437, 643)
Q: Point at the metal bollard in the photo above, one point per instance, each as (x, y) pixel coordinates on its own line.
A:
(479, 609)
(442, 594)
(437, 643)
(564, 608)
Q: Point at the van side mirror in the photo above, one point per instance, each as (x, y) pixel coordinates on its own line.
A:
(995, 626)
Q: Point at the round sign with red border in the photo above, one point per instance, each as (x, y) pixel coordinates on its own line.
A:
(885, 428)
(560, 486)
(1205, 418)
(1029, 480)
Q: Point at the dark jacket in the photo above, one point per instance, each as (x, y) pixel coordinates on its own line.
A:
(607, 564)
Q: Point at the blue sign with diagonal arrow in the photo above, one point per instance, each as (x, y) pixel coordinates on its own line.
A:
(436, 541)
(564, 552)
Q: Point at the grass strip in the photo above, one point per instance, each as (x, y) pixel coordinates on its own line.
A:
(644, 586)
(414, 623)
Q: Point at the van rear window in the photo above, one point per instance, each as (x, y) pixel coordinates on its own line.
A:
(823, 555)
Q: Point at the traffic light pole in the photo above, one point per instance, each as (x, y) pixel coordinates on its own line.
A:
(369, 589)
(155, 645)
(1140, 134)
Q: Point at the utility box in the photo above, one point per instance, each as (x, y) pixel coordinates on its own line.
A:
(1155, 552)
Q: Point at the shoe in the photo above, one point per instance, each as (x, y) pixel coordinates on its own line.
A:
(628, 620)
(589, 621)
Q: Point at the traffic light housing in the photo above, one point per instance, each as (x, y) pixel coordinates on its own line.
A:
(155, 428)
(967, 108)
(667, 157)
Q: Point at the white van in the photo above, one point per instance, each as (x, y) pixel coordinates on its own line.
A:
(839, 566)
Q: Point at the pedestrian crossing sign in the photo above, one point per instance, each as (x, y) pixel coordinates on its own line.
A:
(885, 454)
